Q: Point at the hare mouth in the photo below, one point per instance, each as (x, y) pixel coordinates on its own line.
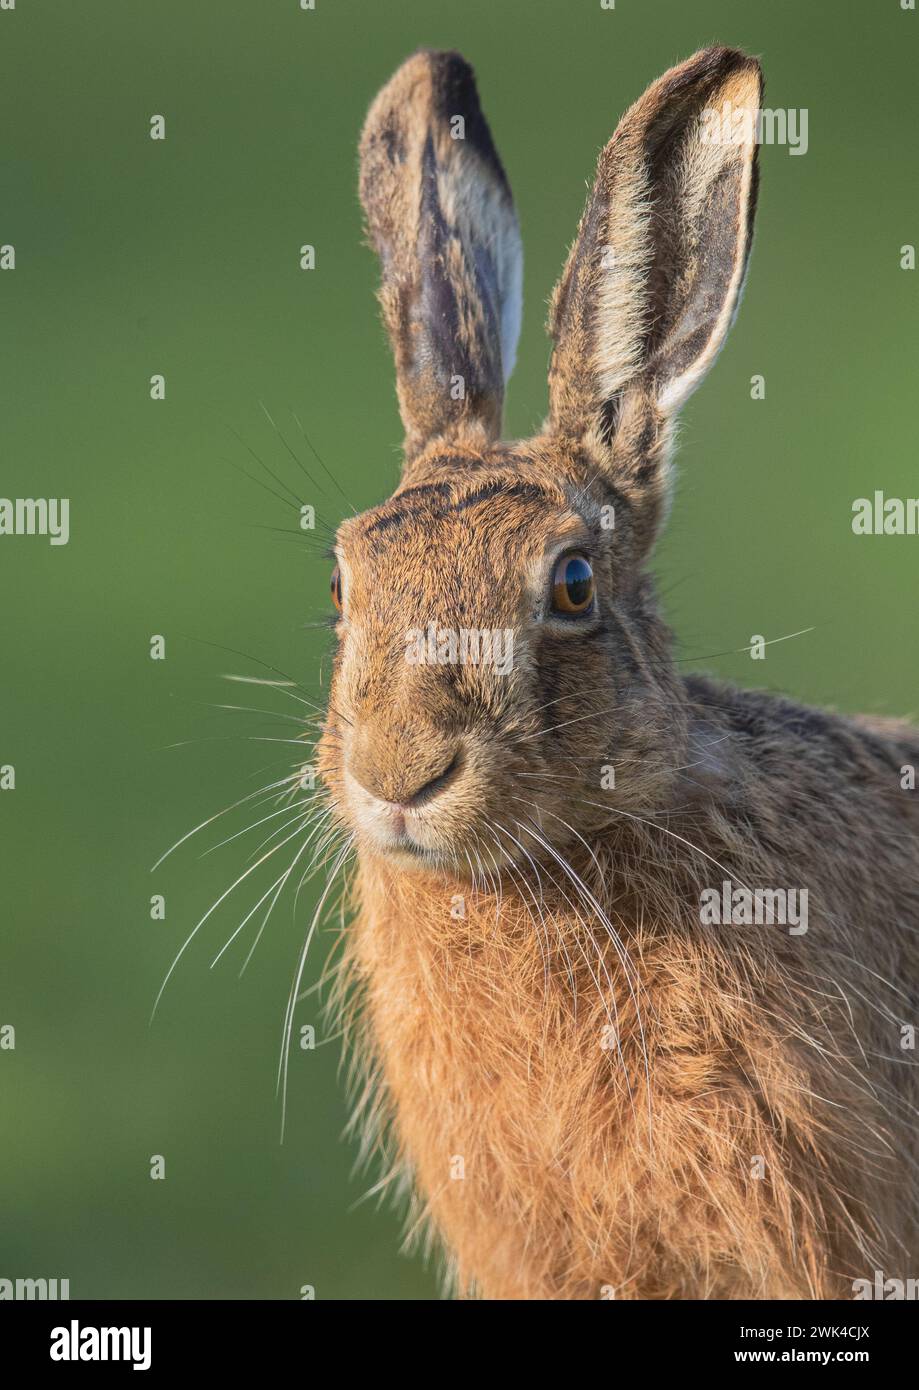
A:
(406, 845)
(398, 842)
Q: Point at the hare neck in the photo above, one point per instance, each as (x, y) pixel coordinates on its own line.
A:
(497, 1024)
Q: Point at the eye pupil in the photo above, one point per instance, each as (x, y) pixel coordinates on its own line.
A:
(573, 586)
(578, 581)
(336, 588)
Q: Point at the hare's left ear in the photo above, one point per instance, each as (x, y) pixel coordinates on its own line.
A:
(441, 218)
(653, 278)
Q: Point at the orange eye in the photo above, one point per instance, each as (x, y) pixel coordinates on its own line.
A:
(337, 596)
(572, 586)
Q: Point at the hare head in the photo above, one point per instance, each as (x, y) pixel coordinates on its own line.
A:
(500, 650)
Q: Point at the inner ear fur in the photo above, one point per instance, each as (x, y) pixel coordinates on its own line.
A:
(440, 215)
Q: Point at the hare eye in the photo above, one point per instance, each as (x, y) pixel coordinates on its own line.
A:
(572, 586)
(336, 587)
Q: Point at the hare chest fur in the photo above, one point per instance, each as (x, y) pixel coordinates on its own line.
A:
(592, 1090)
(522, 1111)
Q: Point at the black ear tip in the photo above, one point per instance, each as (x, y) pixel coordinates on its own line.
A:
(452, 80)
(443, 60)
(456, 94)
(733, 60)
(723, 57)
(450, 75)
(711, 66)
(693, 84)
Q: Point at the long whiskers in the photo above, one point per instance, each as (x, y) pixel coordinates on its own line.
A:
(194, 932)
(262, 791)
(298, 977)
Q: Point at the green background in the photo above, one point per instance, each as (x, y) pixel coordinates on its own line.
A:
(181, 257)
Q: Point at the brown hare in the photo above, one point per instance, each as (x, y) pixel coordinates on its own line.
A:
(597, 1053)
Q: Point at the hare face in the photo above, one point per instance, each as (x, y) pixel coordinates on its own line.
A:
(499, 669)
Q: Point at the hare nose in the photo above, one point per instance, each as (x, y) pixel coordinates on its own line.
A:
(395, 771)
(426, 790)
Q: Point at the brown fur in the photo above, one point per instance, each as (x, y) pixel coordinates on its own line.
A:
(576, 1077)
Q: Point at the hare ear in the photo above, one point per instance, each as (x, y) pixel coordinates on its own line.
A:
(441, 218)
(653, 278)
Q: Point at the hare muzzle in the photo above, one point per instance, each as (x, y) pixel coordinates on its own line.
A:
(397, 794)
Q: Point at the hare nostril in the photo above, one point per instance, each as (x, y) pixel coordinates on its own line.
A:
(430, 788)
(403, 762)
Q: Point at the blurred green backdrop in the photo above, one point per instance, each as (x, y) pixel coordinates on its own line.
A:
(180, 257)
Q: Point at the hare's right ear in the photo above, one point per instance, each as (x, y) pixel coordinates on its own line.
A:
(441, 218)
(654, 275)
